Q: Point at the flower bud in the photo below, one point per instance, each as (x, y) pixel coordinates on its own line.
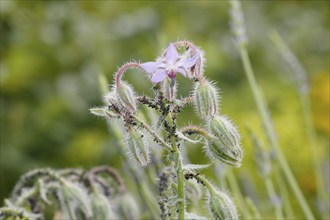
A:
(126, 96)
(169, 89)
(101, 207)
(225, 145)
(221, 206)
(205, 99)
(76, 197)
(137, 146)
(128, 208)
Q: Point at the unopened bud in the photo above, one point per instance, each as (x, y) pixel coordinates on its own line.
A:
(101, 207)
(169, 89)
(137, 146)
(126, 96)
(205, 99)
(75, 194)
(225, 145)
(221, 206)
(128, 208)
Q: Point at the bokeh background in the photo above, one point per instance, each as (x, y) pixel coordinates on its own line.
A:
(53, 51)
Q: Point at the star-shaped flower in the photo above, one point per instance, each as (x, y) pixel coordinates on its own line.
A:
(169, 65)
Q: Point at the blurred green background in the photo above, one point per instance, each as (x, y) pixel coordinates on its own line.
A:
(53, 51)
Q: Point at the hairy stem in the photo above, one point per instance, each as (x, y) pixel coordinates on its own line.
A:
(192, 129)
(122, 70)
(266, 120)
(175, 150)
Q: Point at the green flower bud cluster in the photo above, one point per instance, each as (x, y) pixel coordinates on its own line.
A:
(74, 193)
(220, 135)
(223, 139)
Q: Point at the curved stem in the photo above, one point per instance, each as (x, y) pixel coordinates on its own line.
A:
(192, 129)
(31, 176)
(266, 120)
(123, 69)
(113, 173)
(201, 179)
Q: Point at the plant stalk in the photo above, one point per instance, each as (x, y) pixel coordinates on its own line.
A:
(180, 176)
(266, 120)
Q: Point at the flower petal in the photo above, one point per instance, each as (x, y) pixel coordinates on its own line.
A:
(171, 53)
(182, 71)
(158, 76)
(149, 67)
(190, 62)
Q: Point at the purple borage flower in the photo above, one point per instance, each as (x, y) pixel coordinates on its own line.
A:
(169, 65)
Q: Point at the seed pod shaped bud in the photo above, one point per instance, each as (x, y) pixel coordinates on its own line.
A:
(225, 145)
(205, 99)
(76, 196)
(169, 89)
(221, 206)
(126, 96)
(128, 208)
(101, 207)
(137, 146)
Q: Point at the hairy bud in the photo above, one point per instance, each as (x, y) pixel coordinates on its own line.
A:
(77, 197)
(126, 96)
(101, 207)
(205, 99)
(225, 143)
(221, 206)
(128, 208)
(137, 146)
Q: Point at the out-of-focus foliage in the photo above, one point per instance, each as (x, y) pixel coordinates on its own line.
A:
(52, 52)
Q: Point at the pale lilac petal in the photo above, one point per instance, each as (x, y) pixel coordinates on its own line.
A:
(158, 76)
(190, 62)
(171, 53)
(182, 71)
(149, 67)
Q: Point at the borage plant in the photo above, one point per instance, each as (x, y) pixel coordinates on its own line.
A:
(221, 138)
